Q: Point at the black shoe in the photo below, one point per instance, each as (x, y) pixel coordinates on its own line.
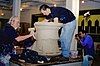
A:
(59, 58)
(63, 59)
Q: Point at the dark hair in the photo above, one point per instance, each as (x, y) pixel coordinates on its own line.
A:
(76, 35)
(44, 7)
(83, 31)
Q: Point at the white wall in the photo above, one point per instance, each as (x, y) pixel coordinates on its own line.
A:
(88, 5)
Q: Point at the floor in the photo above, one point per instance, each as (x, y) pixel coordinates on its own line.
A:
(97, 59)
(95, 63)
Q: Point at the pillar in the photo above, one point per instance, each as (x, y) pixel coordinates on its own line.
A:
(73, 5)
(16, 8)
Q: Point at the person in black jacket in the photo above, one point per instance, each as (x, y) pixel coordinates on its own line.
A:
(8, 37)
(66, 17)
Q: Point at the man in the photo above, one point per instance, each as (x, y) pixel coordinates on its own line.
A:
(9, 36)
(87, 42)
(66, 17)
(80, 53)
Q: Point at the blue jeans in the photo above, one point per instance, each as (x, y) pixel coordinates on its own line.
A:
(5, 60)
(66, 36)
(86, 60)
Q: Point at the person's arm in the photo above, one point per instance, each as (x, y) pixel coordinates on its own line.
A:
(88, 41)
(21, 38)
(45, 20)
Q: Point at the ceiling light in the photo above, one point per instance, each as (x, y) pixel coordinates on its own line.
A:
(54, 5)
(82, 1)
(21, 9)
(2, 14)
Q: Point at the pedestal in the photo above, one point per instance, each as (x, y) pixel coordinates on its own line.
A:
(47, 38)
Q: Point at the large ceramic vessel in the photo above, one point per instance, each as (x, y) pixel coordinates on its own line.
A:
(47, 38)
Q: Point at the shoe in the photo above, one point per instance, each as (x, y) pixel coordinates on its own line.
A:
(63, 59)
(58, 58)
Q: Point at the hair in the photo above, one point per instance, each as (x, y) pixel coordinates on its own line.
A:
(12, 19)
(76, 35)
(83, 31)
(44, 7)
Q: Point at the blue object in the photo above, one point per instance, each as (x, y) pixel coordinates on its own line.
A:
(86, 60)
(66, 37)
(88, 44)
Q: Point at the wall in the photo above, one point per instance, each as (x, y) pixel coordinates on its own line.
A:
(88, 5)
(27, 14)
(91, 24)
(4, 18)
(7, 14)
(92, 18)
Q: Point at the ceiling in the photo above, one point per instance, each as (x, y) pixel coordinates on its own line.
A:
(88, 4)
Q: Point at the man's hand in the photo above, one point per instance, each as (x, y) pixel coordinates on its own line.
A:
(77, 37)
(45, 20)
(33, 34)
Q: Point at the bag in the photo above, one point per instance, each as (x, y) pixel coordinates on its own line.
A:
(14, 57)
(31, 56)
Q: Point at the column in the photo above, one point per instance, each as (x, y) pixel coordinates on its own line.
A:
(16, 8)
(73, 5)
